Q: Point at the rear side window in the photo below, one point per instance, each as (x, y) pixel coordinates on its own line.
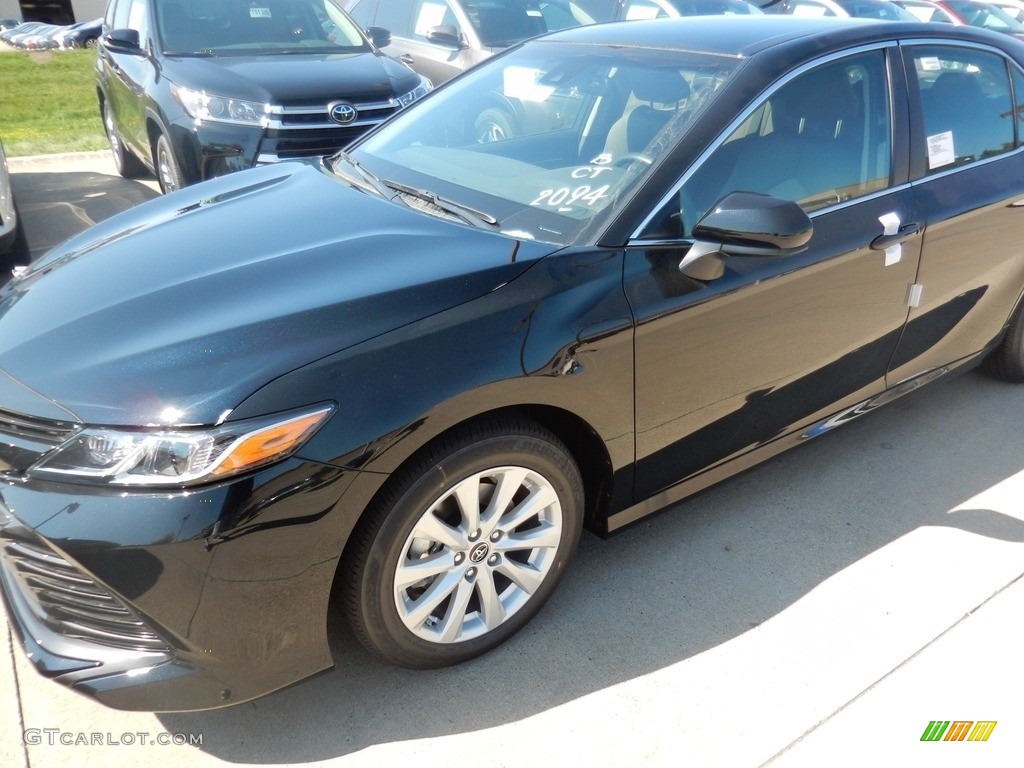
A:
(966, 105)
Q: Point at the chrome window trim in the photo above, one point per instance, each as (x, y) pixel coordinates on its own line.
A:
(638, 243)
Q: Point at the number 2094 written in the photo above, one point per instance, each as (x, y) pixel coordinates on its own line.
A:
(566, 196)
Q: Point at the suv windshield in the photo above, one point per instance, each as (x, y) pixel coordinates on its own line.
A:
(245, 27)
(545, 141)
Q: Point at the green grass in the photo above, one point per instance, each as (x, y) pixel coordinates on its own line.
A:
(48, 102)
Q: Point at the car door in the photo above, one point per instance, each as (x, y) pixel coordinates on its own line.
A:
(776, 344)
(126, 73)
(438, 58)
(968, 165)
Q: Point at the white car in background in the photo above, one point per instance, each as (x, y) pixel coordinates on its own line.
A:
(13, 246)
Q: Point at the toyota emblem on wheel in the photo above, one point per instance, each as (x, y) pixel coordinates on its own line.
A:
(342, 112)
(478, 553)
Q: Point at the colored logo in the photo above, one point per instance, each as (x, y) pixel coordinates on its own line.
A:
(958, 730)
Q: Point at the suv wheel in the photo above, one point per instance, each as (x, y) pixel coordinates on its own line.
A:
(127, 164)
(167, 171)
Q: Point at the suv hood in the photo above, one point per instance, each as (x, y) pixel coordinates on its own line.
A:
(294, 77)
(195, 300)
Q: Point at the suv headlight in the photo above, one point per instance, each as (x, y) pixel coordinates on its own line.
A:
(418, 92)
(179, 457)
(201, 105)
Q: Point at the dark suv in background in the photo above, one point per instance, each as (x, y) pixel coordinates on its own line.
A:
(193, 89)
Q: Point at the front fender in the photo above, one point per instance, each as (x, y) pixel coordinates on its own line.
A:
(557, 337)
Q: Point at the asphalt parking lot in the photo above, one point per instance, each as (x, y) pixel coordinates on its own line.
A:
(821, 610)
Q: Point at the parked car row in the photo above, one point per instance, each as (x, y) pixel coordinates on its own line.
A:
(192, 90)
(39, 36)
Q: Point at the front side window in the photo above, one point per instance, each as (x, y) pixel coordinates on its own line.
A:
(965, 104)
(822, 138)
(549, 139)
(430, 14)
(138, 19)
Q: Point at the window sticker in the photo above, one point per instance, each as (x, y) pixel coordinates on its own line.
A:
(930, 64)
(940, 150)
(259, 13)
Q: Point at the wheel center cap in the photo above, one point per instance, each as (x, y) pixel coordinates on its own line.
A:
(479, 553)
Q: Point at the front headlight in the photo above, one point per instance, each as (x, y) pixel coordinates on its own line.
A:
(179, 457)
(201, 105)
(418, 92)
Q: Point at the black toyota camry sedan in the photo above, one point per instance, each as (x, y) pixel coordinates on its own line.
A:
(409, 377)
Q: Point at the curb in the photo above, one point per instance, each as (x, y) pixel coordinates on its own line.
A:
(35, 162)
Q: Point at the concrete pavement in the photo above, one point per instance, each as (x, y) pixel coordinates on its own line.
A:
(822, 609)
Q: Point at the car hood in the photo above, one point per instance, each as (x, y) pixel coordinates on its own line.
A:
(294, 77)
(177, 310)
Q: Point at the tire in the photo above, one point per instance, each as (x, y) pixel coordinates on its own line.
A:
(1006, 361)
(494, 125)
(127, 164)
(167, 171)
(426, 585)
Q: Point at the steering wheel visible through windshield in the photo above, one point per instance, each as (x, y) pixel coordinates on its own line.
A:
(543, 143)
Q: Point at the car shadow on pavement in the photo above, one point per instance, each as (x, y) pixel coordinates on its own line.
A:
(673, 587)
(55, 206)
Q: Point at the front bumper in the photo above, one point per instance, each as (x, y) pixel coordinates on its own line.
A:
(175, 601)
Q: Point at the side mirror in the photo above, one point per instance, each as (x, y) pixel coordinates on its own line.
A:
(122, 40)
(446, 34)
(745, 224)
(380, 37)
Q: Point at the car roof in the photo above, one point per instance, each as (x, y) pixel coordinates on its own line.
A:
(744, 36)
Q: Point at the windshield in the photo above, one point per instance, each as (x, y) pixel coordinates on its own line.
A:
(248, 27)
(543, 140)
(925, 11)
(863, 9)
(985, 16)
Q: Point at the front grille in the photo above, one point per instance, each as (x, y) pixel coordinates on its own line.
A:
(308, 131)
(70, 602)
(24, 439)
(35, 429)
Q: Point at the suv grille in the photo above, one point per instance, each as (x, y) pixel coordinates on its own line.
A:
(308, 131)
(70, 602)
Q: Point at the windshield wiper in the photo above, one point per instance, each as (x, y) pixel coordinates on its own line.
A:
(469, 215)
(365, 180)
